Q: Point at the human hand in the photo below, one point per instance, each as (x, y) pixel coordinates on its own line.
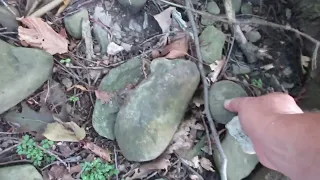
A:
(260, 118)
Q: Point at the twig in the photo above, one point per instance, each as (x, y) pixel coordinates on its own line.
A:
(208, 135)
(227, 59)
(9, 149)
(223, 169)
(187, 166)
(46, 8)
(6, 5)
(116, 160)
(52, 154)
(86, 35)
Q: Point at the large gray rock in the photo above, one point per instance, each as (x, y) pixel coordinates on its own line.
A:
(25, 172)
(218, 94)
(74, 21)
(22, 71)
(211, 44)
(7, 19)
(148, 120)
(239, 164)
(213, 8)
(133, 5)
(104, 115)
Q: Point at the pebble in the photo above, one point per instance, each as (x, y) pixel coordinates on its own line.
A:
(241, 69)
(133, 5)
(74, 21)
(67, 82)
(236, 4)
(114, 48)
(213, 8)
(253, 36)
(287, 71)
(219, 92)
(100, 33)
(246, 8)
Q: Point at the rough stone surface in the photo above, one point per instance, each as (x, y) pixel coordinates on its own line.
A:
(22, 71)
(73, 23)
(134, 6)
(241, 69)
(218, 93)
(211, 44)
(7, 19)
(236, 4)
(147, 122)
(25, 172)
(253, 36)
(99, 32)
(240, 164)
(213, 8)
(246, 8)
(104, 115)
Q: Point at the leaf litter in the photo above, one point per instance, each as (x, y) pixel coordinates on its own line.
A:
(64, 131)
(103, 153)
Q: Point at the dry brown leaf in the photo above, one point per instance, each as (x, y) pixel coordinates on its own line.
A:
(177, 48)
(63, 7)
(103, 96)
(69, 132)
(182, 140)
(103, 153)
(164, 19)
(216, 68)
(160, 163)
(39, 34)
(78, 87)
(206, 164)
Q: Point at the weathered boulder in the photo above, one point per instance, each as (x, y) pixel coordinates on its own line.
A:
(150, 116)
(115, 82)
(218, 94)
(22, 71)
(239, 164)
(211, 44)
(73, 23)
(25, 172)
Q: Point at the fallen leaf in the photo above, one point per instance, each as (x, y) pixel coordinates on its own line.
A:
(28, 119)
(216, 68)
(39, 34)
(65, 150)
(206, 164)
(69, 132)
(78, 87)
(103, 96)
(177, 48)
(160, 163)
(182, 140)
(63, 33)
(60, 172)
(63, 7)
(164, 19)
(103, 153)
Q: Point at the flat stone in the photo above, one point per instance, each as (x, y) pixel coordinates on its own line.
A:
(134, 6)
(267, 174)
(246, 8)
(218, 93)
(239, 164)
(253, 36)
(213, 8)
(236, 4)
(7, 19)
(100, 33)
(211, 44)
(240, 69)
(25, 172)
(152, 113)
(22, 71)
(74, 21)
(104, 115)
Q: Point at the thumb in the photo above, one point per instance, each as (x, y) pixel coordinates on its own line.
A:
(234, 104)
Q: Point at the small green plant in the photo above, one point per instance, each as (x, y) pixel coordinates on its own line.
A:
(257, 83)
(73, 98)
(65, 61)
(28, 147)
(97, 170)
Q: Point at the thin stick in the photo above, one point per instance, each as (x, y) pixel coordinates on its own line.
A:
(187, 166)
(208, 135)
(116, 160)
(46, 8)
(9, 149)
(223, 169)
(52, 154)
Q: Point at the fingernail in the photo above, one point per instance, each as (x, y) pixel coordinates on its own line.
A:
(227, 103)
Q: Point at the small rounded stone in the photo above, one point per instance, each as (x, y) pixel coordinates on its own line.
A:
(218, 93)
